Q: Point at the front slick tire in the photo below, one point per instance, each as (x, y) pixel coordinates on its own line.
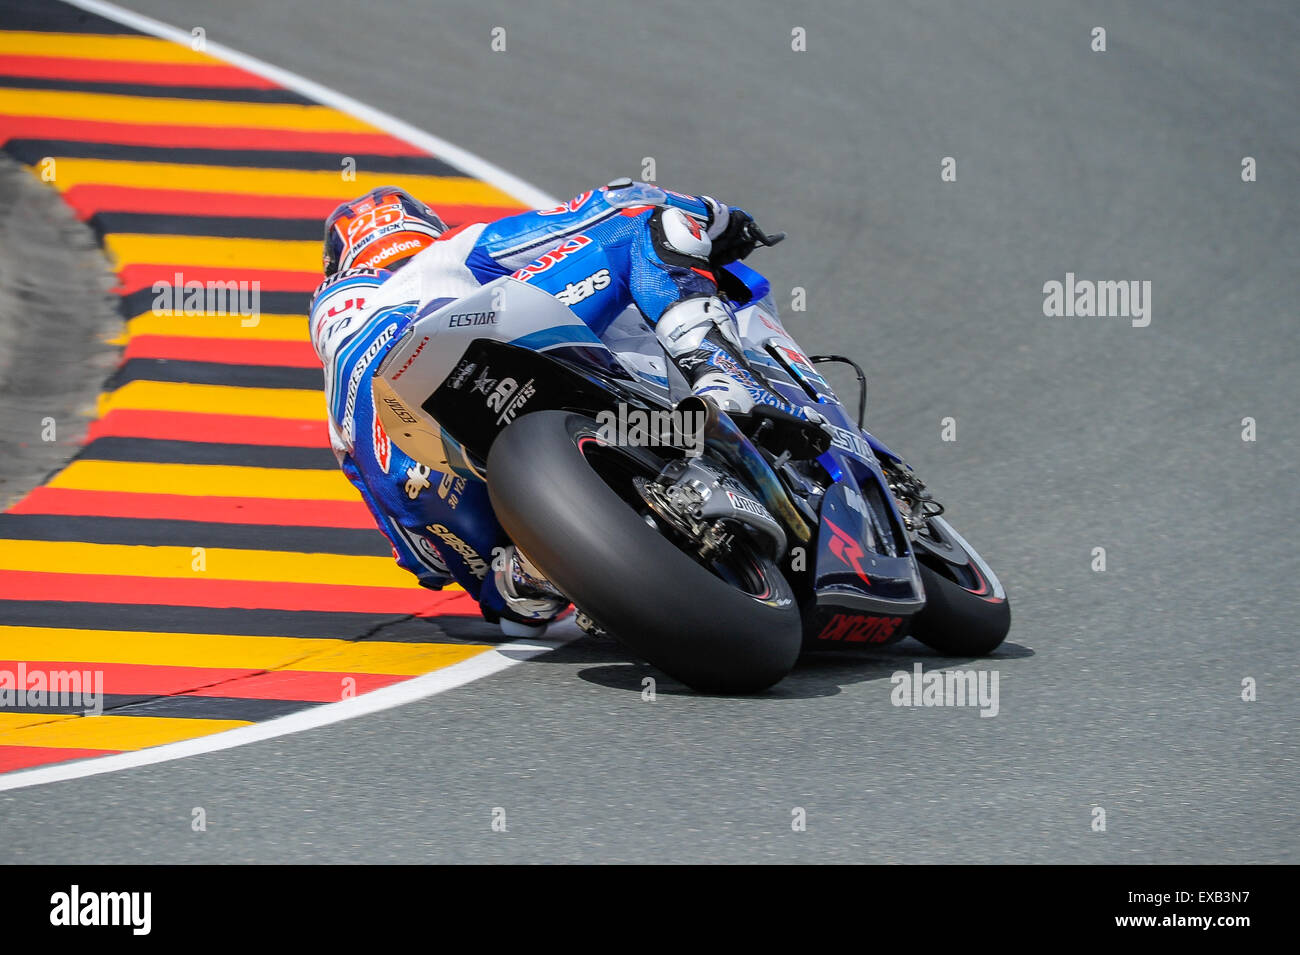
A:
(956, 622)
(586, 530)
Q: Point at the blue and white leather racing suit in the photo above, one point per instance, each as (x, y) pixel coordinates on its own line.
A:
(623, 244)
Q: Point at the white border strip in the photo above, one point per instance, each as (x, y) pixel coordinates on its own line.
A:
(416, 688)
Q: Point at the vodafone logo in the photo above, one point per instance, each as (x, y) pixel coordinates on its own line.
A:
(386, 253)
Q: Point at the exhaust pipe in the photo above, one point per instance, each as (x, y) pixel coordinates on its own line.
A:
(722, 436)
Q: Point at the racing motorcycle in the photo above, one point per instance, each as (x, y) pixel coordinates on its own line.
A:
(715, 547)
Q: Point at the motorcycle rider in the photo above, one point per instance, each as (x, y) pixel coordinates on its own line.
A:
(626, 243)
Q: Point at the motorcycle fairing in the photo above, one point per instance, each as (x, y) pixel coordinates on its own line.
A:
(863, 564)
(495, 382)
(478, 363)
(853, 571)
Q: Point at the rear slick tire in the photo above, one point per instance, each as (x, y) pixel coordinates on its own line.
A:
(592, 544)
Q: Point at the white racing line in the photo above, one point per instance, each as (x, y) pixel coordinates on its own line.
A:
(416, 688)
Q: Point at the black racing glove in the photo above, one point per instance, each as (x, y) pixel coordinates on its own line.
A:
(737, 238)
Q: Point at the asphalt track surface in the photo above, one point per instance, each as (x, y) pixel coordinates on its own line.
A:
(1119, 689)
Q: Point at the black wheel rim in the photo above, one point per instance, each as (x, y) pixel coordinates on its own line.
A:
(617, 465)
(950, 561)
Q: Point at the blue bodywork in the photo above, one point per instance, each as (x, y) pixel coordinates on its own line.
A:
(864, 561)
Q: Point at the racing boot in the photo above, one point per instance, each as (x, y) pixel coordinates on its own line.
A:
(531, 603)
(699, 336)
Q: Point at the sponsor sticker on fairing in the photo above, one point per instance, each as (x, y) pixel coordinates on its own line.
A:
(855, 628)
(508, 397)
(468, 319)
(411, 359)
(847, 549)
(850, 441)
(799, 360)
(483, 384)
(768, 319)
(399, 411)
(459, 376)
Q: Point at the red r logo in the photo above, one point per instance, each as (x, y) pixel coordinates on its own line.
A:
(847, 550)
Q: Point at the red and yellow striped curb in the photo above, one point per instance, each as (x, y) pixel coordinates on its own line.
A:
(202, 559)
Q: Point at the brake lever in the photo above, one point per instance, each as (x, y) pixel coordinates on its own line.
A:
(755, 234)
(762, 238)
